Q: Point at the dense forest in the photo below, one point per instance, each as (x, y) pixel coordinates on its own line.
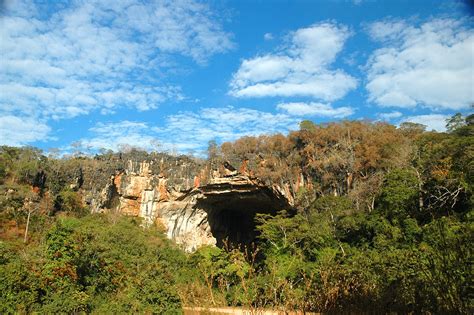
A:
(382, 222)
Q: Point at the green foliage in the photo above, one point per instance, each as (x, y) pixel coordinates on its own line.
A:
(383, 224)
(333, 204)
(92, 265)
(12, 202)
(19, 288)
(71, 202)
(412, 128)
(399, 194)
(307, 125)
(366, 260)
(226, 274)
(446, 164)
(455, 122)
(447, 249)
(20, 164)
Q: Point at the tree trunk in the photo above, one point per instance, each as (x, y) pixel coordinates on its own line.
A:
(420, 190)
(27, 226)
(372, 205)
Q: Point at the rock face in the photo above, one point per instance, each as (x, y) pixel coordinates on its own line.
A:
(222, 210)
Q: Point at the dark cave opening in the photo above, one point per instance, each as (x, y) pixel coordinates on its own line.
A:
(234, 226)
(231, 216)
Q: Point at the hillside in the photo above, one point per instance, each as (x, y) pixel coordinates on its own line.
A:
(335, 217)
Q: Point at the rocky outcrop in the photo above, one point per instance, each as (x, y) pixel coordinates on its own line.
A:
(221, 210)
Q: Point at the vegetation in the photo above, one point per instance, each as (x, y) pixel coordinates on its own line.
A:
(383, 223)
(79, 266)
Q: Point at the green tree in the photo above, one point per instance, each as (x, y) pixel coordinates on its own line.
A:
(399, 194)
(307, 125)
(455, 122)
(71, 202)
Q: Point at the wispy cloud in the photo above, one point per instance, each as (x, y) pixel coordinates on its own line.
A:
(430, 65)
(16, 131)
(315, 109)
(113, 135)
(301, 68)
(268, 36)
(69, 60)
(190, 131)
(390, 115)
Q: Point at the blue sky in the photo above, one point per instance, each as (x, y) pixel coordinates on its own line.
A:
(172, 75)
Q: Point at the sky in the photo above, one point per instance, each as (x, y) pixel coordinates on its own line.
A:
(173, 75)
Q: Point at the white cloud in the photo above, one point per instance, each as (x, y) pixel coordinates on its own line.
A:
(187, 131)
(390, 115)
(193, 130)
(302, 68)
(429, 66)
(435, 122)
(61, 61)
(184, 27)
(113, 135)
(268, 36)
(387, 30)
(17, 131)
(117, 129)
(315, 109)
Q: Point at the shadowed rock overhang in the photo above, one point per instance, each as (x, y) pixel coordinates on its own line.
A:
(231, 204)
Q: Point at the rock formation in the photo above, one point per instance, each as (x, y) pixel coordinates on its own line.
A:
(222, 209)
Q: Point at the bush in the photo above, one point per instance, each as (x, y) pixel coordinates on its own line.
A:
(91, 265)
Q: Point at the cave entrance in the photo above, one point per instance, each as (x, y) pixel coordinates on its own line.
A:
(231, 216)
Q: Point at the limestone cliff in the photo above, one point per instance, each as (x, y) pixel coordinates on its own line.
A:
(223, 208)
